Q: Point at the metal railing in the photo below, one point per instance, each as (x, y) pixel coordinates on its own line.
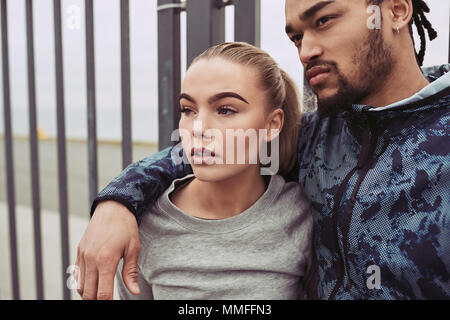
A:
(205, 27)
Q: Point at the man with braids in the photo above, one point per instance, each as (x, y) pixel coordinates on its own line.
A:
(373, 160)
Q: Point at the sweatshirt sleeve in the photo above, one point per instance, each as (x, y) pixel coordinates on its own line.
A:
(141, 183)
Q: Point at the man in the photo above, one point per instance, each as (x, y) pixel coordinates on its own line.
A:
(374, 161)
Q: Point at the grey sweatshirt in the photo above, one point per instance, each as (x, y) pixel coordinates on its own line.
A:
(262, 253)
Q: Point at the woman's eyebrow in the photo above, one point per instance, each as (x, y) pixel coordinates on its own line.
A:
(226, 95)
(214, 98)
(187, 97)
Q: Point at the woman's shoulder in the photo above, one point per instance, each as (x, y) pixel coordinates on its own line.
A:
(292, 212)
(291, 201)
(289, 191)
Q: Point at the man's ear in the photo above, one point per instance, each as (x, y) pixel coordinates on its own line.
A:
(400, 13)
(274, 124)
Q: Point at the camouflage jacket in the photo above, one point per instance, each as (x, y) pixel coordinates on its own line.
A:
(379, 184)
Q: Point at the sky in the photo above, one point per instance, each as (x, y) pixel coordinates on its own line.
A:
(143, 37)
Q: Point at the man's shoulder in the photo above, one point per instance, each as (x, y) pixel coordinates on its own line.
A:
(310, 118)
(314, 129)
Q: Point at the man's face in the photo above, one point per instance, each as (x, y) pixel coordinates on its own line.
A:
(345, 61)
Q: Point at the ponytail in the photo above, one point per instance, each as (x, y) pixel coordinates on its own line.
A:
(291, 126)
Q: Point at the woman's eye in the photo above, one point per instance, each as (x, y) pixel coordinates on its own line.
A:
(225, 111)
(320, 22)
(186, 111)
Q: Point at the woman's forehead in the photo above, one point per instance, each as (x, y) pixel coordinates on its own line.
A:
(221, 73)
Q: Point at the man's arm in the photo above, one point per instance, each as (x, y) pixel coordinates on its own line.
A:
(113, 232)
(141, 183)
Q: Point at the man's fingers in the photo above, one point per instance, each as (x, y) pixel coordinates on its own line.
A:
(130, 269)
(106, 272)
(109, 233)
(90, 280)
(80, 273)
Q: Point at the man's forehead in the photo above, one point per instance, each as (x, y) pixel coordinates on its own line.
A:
(297, 10)
(294, 8)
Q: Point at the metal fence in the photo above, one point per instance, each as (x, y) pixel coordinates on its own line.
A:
(205, 27)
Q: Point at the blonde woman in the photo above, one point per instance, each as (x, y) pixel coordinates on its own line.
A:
(227, 231)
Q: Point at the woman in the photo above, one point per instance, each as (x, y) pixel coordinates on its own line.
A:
(226, 231)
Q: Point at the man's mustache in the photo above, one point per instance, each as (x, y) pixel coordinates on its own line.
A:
(321, 63)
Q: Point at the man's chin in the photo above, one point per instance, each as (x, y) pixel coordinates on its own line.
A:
(326, 102)
(331, 106)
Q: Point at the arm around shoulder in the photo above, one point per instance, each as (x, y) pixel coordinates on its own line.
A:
(141, 183)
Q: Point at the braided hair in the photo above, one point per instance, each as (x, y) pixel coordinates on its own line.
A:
(422, 23)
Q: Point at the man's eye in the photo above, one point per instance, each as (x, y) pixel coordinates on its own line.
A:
(297, 39)
(320, 22)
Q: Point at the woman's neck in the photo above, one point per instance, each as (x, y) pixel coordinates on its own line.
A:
(221, 199)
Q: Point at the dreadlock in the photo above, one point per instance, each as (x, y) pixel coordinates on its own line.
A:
(422, 23)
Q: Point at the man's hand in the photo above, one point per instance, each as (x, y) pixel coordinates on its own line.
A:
(111, 234)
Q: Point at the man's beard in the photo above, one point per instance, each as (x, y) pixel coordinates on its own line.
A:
(374, 63)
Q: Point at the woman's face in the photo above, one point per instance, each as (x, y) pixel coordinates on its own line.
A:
(223, 109)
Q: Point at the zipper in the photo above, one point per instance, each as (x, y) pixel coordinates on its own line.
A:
(348, 211)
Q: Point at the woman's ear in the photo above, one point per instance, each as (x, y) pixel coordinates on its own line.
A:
(274, 124)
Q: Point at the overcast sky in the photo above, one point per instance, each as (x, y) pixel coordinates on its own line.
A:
(143, 59)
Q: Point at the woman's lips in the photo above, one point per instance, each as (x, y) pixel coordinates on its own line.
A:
(202, 152)
(202, 156)
(317, 75)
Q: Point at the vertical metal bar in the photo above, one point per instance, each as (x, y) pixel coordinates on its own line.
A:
(9, 156)
(205, 26)
(125, 70)
(247, 21)
(62, 163)
(91, 105)
(34, 159)
(169, 68)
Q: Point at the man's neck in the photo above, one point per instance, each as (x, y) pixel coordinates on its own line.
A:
(405, 80)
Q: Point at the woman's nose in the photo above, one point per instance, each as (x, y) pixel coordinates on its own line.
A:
(201, 126)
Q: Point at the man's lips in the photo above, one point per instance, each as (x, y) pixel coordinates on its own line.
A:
(317, 74)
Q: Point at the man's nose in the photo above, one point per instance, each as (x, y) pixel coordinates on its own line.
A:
(310, 50)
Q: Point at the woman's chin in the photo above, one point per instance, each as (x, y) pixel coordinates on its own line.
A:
(216, 172)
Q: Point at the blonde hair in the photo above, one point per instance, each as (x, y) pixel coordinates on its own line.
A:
(280, 88)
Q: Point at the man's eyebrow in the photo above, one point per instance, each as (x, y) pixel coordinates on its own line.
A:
(310, 13)
(226, 95)
(313, 10)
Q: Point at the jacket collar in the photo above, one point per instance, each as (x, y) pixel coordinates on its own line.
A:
(439, 77)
